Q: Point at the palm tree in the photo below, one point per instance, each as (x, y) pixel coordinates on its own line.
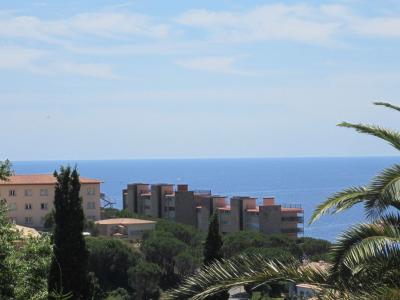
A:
(365, 258)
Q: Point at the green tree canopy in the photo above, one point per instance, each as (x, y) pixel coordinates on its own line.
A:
(144, 279)
(31, 265)
(109, 260)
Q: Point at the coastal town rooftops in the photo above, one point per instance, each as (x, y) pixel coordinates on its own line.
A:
(124, 221)
(38, 179)
(244, 197)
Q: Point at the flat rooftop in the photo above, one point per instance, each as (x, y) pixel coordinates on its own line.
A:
(124, 221)
(37, 179)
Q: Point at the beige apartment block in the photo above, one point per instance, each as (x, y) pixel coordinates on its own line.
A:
(195, 207)
(30, 198)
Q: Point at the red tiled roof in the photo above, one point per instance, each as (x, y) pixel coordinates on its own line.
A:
(40, 179)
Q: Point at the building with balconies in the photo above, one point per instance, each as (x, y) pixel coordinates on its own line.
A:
(195, 207)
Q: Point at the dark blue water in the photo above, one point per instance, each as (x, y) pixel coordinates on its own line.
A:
(306, 181)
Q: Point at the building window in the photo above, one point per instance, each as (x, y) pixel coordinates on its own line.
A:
(91, 218)
(13, 220)
(91, 191)
(44, 192)
(43, 206)
(28, 220)
(12, 193)
(91, 205)
(28, 206)
(28, 193)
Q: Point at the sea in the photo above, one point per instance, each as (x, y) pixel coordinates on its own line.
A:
(306, 181)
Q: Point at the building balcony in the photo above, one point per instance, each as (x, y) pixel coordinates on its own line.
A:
(296, 219)
(202, 192)
(292, 230)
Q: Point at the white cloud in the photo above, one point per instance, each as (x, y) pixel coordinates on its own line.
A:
(215, 64)
(19, 58)
(385, 27)
(323, 24)
(38, 62)
(103, 24)
(286, 22)
(101, 71)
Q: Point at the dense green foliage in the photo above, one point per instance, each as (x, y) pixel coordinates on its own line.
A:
(109, 260)
(5, 169)
(118, 294)
(315, 249)
(7, 248)
(274, 246)
(144, 279)
(68, 271)
(24, 264)
(32, 262)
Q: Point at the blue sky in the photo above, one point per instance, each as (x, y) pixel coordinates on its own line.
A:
(190, 79)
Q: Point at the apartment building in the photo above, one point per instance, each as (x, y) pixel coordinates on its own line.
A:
(30, 198)
(194, 207)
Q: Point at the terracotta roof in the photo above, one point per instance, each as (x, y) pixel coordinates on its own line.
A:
(224, 208)
(292, 209)
(40, 179)
(124, 221)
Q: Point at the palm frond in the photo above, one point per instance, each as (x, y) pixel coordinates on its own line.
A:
(341, 201)
(248, 269)
(361, 244)
(386, 188)
(392, 137)
(389, 105)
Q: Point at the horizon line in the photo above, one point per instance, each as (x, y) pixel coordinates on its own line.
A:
(210, 158)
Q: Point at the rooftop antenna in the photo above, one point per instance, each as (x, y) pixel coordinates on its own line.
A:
(107, 201)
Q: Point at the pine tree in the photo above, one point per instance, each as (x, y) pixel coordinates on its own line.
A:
(68, 271)
(212, 250)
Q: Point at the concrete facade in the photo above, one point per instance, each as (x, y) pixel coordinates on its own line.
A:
(30, 198)
(195, 208)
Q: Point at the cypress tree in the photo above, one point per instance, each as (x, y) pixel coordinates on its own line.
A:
(212, 250)
(68, 271)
